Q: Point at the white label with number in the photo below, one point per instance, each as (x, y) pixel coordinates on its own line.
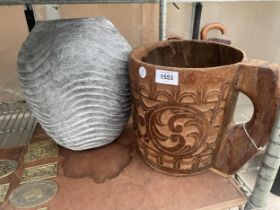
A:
(167, 77)
(142, 72)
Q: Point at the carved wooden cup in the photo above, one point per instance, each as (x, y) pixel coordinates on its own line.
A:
(184, 96)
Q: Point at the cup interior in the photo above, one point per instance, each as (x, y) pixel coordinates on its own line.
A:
(191, 54)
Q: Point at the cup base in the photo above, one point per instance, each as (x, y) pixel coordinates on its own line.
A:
(165, 171)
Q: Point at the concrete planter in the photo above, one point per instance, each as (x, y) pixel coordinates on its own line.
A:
(74, 77)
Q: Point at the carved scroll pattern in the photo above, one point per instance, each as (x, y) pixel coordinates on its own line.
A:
(178, 132)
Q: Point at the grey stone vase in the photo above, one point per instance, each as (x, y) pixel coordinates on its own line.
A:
(74, 75)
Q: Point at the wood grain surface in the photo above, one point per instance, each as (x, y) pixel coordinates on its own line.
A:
(187, 128)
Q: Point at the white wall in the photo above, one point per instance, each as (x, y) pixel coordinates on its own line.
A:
(252, 26)
(13, 31)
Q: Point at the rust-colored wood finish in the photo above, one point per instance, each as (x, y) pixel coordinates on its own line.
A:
(187, 128)
(212, 26)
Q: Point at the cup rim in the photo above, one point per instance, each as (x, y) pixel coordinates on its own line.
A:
(138, 53)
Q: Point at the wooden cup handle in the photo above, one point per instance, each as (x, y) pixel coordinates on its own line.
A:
(260, 82)
(209, 27)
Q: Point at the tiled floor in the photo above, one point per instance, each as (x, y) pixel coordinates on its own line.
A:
(249, 172)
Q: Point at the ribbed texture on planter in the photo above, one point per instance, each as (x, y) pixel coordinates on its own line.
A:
(75, 79)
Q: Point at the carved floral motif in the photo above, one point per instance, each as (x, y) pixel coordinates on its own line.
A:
(177, 132)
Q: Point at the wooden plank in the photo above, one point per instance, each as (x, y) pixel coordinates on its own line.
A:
(135, 185)
(14, 2)
(115, 177)
(238, 202)
(226, 205)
